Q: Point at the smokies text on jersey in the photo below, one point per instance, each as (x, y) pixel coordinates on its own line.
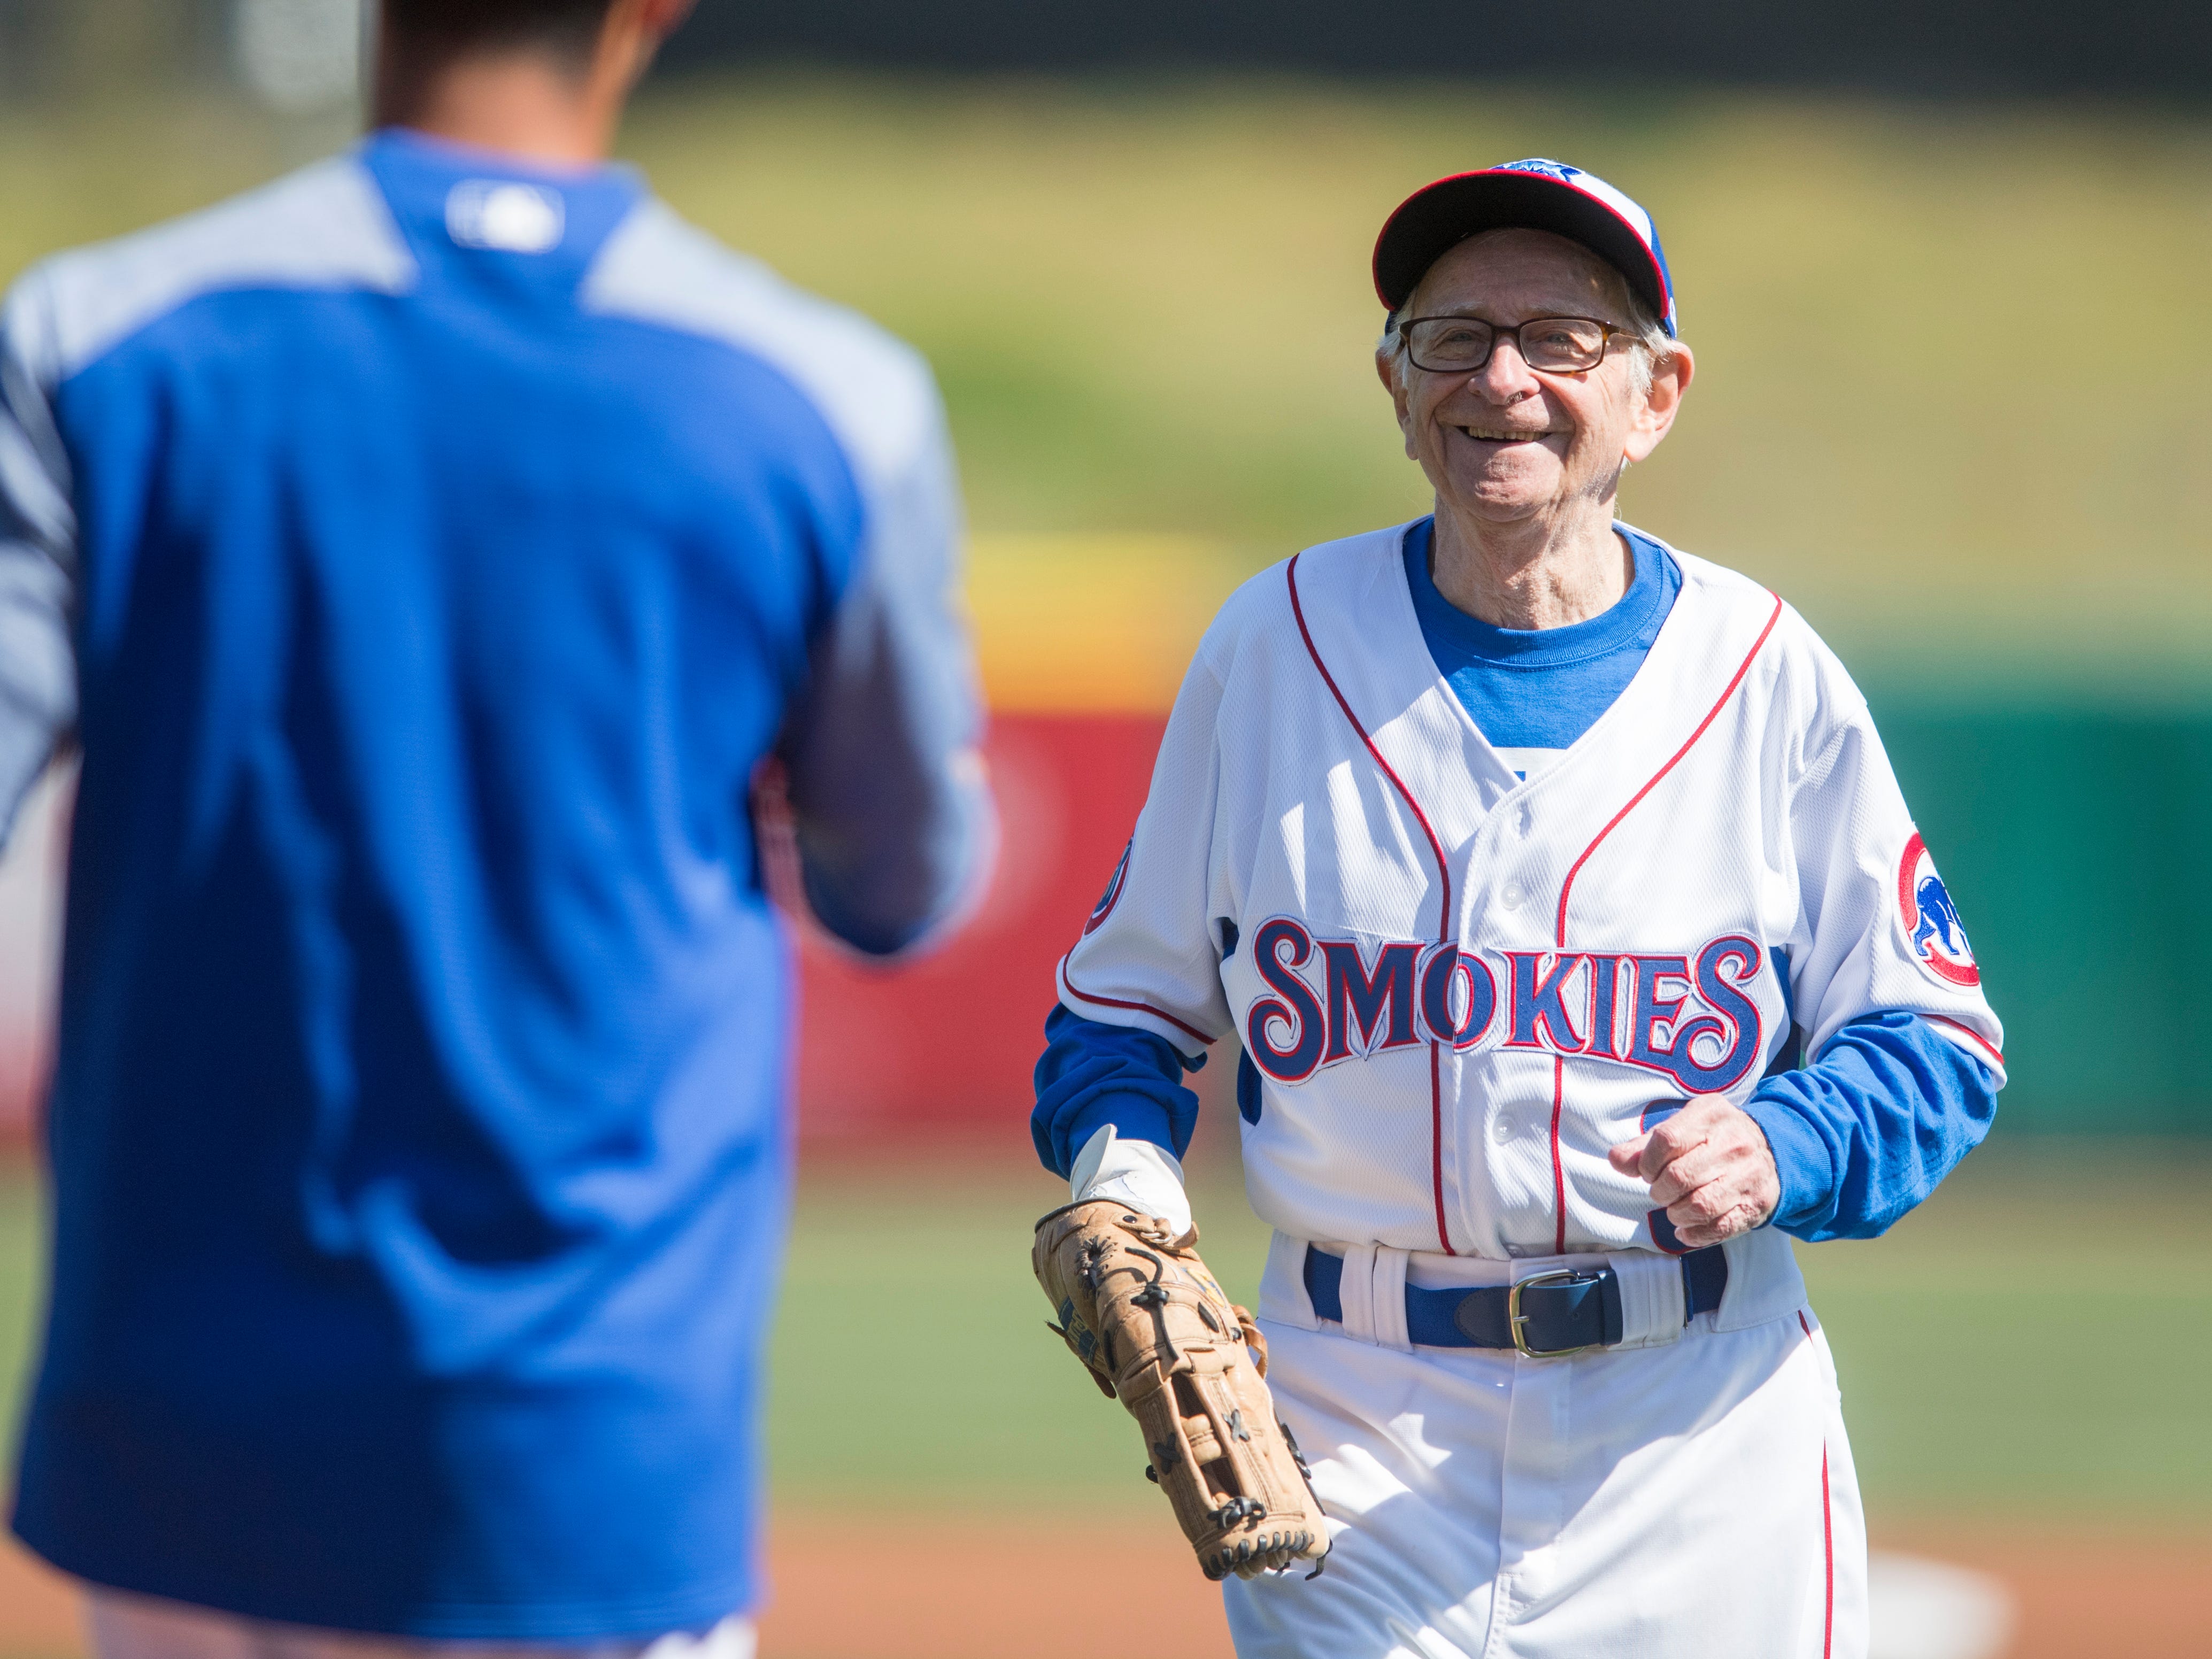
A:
(1689, 1015)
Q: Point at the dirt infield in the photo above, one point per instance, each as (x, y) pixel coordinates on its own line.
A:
(38, 1608)
(946, 1588)
(2140, 1592)
(1004, 1589)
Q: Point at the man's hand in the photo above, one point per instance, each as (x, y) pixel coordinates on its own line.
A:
(1710, 1167)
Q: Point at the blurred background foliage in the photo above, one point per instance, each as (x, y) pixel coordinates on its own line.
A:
(1950, 374)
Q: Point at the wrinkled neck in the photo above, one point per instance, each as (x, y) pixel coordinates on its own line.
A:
(1547, 572)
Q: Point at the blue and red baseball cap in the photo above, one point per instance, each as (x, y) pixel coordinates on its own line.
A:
(1533, 194)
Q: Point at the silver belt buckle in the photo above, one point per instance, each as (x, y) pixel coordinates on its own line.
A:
(1515, 1319)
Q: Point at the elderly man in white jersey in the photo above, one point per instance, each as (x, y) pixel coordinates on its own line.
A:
(1580, 950)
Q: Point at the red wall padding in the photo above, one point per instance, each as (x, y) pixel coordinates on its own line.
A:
(946, 1045)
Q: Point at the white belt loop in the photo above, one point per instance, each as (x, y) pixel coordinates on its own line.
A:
(1652, 1298)
(1284, 1298)
(1763, 1282)
(1357, 1292)
(1388, 1299)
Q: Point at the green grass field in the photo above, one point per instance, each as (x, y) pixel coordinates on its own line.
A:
(2035, 1343)
(1950, 356)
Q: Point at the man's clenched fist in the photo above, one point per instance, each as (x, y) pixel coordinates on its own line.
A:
(1710, 1167)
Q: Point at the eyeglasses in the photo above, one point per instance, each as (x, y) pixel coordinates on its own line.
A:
(1461, 345)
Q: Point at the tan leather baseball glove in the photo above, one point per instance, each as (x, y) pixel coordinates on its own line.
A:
(1140, 1310)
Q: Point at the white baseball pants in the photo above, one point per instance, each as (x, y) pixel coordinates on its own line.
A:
(1690, 1501)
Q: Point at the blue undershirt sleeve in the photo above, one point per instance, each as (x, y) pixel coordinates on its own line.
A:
(1092, 1074)
(1866, 1132)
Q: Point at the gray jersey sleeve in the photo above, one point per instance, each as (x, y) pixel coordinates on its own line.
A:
(37, 555)
(893, 814)
(892, 811)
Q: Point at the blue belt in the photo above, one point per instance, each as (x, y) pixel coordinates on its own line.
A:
(1543, 1315)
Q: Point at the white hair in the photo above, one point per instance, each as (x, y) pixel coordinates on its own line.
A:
(1653, 344)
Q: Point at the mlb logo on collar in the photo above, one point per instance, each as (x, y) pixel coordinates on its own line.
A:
(504, 216)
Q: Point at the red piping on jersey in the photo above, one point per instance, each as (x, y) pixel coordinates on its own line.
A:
(1559, 1171)
(1443, 869)
(1828, 1560)
(1436, 1140)
(1443, 910)
(1567, 888)
(1136, 1007)
(1969, 1034)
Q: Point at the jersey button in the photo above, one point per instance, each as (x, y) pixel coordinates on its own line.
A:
(1512, 896)
(1502, 1130)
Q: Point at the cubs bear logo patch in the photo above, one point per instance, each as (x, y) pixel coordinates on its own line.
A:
(1931, 922)
(1112, 895)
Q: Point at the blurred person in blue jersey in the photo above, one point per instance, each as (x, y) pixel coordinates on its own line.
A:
(427, 553)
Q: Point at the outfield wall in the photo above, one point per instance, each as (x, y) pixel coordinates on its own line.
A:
(2076, 840)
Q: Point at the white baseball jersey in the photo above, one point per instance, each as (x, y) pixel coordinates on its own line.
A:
(1461, 988)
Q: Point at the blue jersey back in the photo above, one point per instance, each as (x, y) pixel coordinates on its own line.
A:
(450, 546)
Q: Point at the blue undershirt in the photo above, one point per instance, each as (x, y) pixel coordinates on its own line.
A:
(1533, 691)
(1860, 1136)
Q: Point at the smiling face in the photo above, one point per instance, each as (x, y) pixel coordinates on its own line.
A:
(1508, 444)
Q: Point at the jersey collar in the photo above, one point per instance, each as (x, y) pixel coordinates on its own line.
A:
(466, 211)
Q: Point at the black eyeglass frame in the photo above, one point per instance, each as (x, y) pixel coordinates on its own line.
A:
(1612, 331)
